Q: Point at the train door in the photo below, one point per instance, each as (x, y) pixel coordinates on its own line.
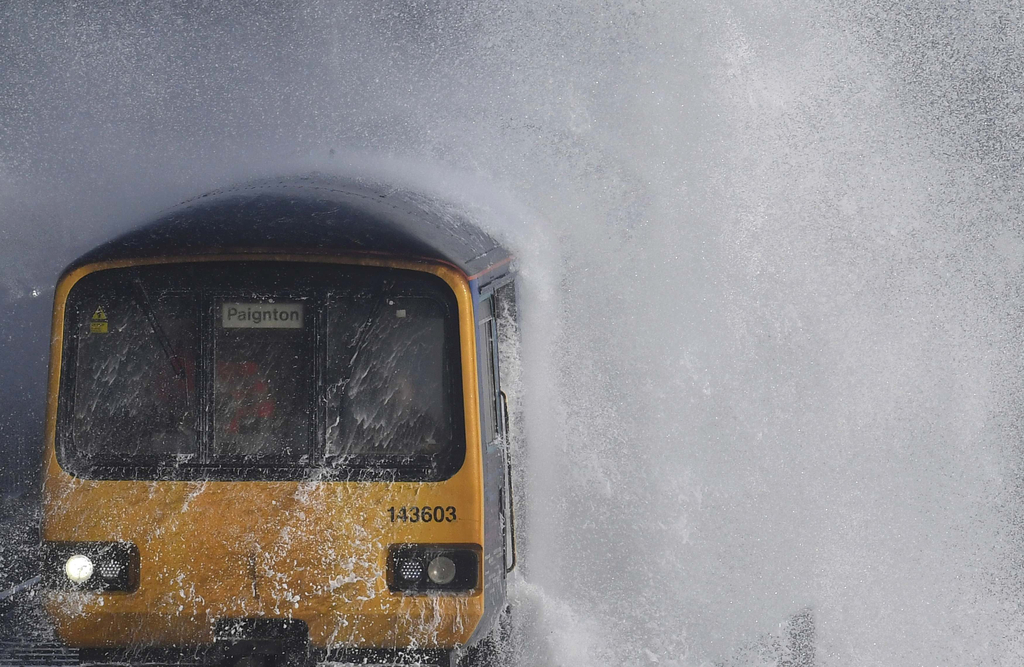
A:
(494, 422)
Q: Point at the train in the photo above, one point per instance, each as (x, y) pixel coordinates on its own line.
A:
(276, 433)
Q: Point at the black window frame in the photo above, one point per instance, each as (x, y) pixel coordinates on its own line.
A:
(317, 284)
(487, 363)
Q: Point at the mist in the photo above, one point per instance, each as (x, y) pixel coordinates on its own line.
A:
(771, 256)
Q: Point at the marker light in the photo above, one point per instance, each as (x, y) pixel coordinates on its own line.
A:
(441, 570)
(78, 568)
(110, 569)
(410, 570)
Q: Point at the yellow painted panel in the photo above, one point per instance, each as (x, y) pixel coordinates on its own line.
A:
(315, 551)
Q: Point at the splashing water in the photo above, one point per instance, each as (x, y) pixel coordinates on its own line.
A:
(770, 252)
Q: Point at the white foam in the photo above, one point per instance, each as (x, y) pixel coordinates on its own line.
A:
(770, 255)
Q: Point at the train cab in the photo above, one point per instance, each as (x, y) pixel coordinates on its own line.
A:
(276, 433)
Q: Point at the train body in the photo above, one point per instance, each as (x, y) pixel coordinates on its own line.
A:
(276, 434)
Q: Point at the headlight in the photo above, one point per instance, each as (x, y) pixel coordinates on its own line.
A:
(441, 570)
(427, 568)
(91, 566)
(78, 569)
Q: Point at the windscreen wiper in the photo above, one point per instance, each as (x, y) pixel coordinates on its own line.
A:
(363, 333)
(141, 299)
(362, 337)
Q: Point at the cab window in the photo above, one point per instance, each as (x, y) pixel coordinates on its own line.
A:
(262, 380)
(261, 370)
(390, 394)
(486, 326)
(134, 376)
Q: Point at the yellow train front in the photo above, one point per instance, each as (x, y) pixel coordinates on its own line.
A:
(275, 433)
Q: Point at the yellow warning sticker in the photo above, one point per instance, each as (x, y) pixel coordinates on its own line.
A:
(99, 325)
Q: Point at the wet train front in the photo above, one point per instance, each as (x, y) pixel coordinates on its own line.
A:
(276, 436)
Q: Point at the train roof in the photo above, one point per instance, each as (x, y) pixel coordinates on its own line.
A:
(317, 213)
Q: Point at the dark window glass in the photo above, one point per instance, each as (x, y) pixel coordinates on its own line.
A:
(262, 376)
(261, 370)
(488, 375)
(135, 375)
(389, 382)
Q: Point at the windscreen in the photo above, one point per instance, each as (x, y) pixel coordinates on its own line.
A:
(135, 377)
(261, 370)
(387, 365)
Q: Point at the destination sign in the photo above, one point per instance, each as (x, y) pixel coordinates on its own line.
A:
(261, 315)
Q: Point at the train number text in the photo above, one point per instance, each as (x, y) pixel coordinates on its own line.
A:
(424, 514)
